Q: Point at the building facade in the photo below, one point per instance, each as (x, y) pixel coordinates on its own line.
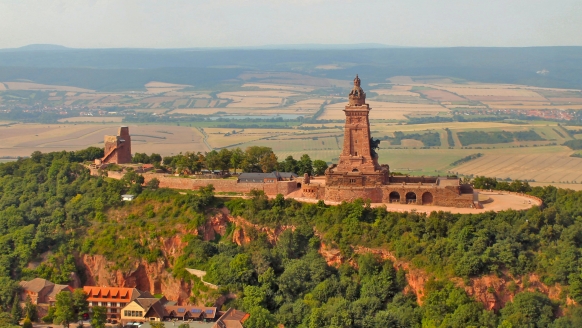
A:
(114, 299)
(359, 175)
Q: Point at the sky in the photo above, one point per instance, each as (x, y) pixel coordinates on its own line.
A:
(236, 23)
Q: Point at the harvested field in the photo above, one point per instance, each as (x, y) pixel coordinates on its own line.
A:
(412, 143)
(200, 103)
(539, 167)
(493, 105)
(254, 102)
(157, 100)
(257, 94)
(496, 94)
(23, 139)
(37, 86)
(181, 102)
(440, 95)
(288, 87)
(161, 87)
(402, 87)
(393, 92)
(383, 110)
(91, 119)
(308, 106)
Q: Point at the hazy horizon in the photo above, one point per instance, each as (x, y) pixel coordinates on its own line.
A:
(261, 23)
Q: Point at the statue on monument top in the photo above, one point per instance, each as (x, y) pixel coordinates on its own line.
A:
(357, 95)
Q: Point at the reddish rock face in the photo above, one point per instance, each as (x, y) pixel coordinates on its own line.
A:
(490, 290)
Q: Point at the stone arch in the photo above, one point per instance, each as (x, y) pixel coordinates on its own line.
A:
(394, 197)
(355, 170)
(410, 198)
(298, 184)
(427, 198)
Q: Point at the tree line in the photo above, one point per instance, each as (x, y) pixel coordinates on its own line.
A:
(252, 159)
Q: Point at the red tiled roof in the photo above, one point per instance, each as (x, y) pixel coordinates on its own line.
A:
(108, 294)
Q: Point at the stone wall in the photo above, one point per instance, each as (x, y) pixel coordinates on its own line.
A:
(339, 194)
(220, 185)
(422, 195)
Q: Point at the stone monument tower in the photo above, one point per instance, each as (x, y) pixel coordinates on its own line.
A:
(358, 163)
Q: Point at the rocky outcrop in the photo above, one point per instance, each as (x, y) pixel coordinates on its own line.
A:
(152, 277)
(491, 290)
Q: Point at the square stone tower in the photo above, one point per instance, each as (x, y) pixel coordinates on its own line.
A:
(118, 148)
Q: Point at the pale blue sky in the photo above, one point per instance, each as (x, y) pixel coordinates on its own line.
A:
(231, 23)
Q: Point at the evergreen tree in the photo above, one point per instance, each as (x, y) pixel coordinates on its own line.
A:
(16, 310)
(30, 311)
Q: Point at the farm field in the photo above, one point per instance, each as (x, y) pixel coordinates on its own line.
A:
(506, 152)
(556, 168)
(23, 139)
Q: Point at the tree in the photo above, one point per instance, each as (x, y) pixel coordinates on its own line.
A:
(153, 184)
(319, 167)
(155, 158)
(236, 158)
(259, 159)
(8, 288)
(224, 156)
(529, 309)
(157, 324)
(50, 316)
(260, 318)
(30, 311)
(64, 311)
(16, 310)
(80, 304)
(26, 323)
(6, 321)
(305, 165)
(269, 163)
(140, 158)
(99, 317)
(212, 161)
(289, 165)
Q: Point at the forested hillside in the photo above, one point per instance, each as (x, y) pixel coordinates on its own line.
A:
(52, 211)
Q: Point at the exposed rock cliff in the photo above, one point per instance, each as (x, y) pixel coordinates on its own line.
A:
(491, 290)
(154, 277)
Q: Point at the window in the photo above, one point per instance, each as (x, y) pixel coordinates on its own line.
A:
(352, 180)
(129, 313)
(113, 311)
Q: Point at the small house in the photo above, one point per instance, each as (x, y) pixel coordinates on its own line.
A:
(127, 198)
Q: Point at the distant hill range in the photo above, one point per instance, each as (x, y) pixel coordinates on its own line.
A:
(128, 69)
(38, 47)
